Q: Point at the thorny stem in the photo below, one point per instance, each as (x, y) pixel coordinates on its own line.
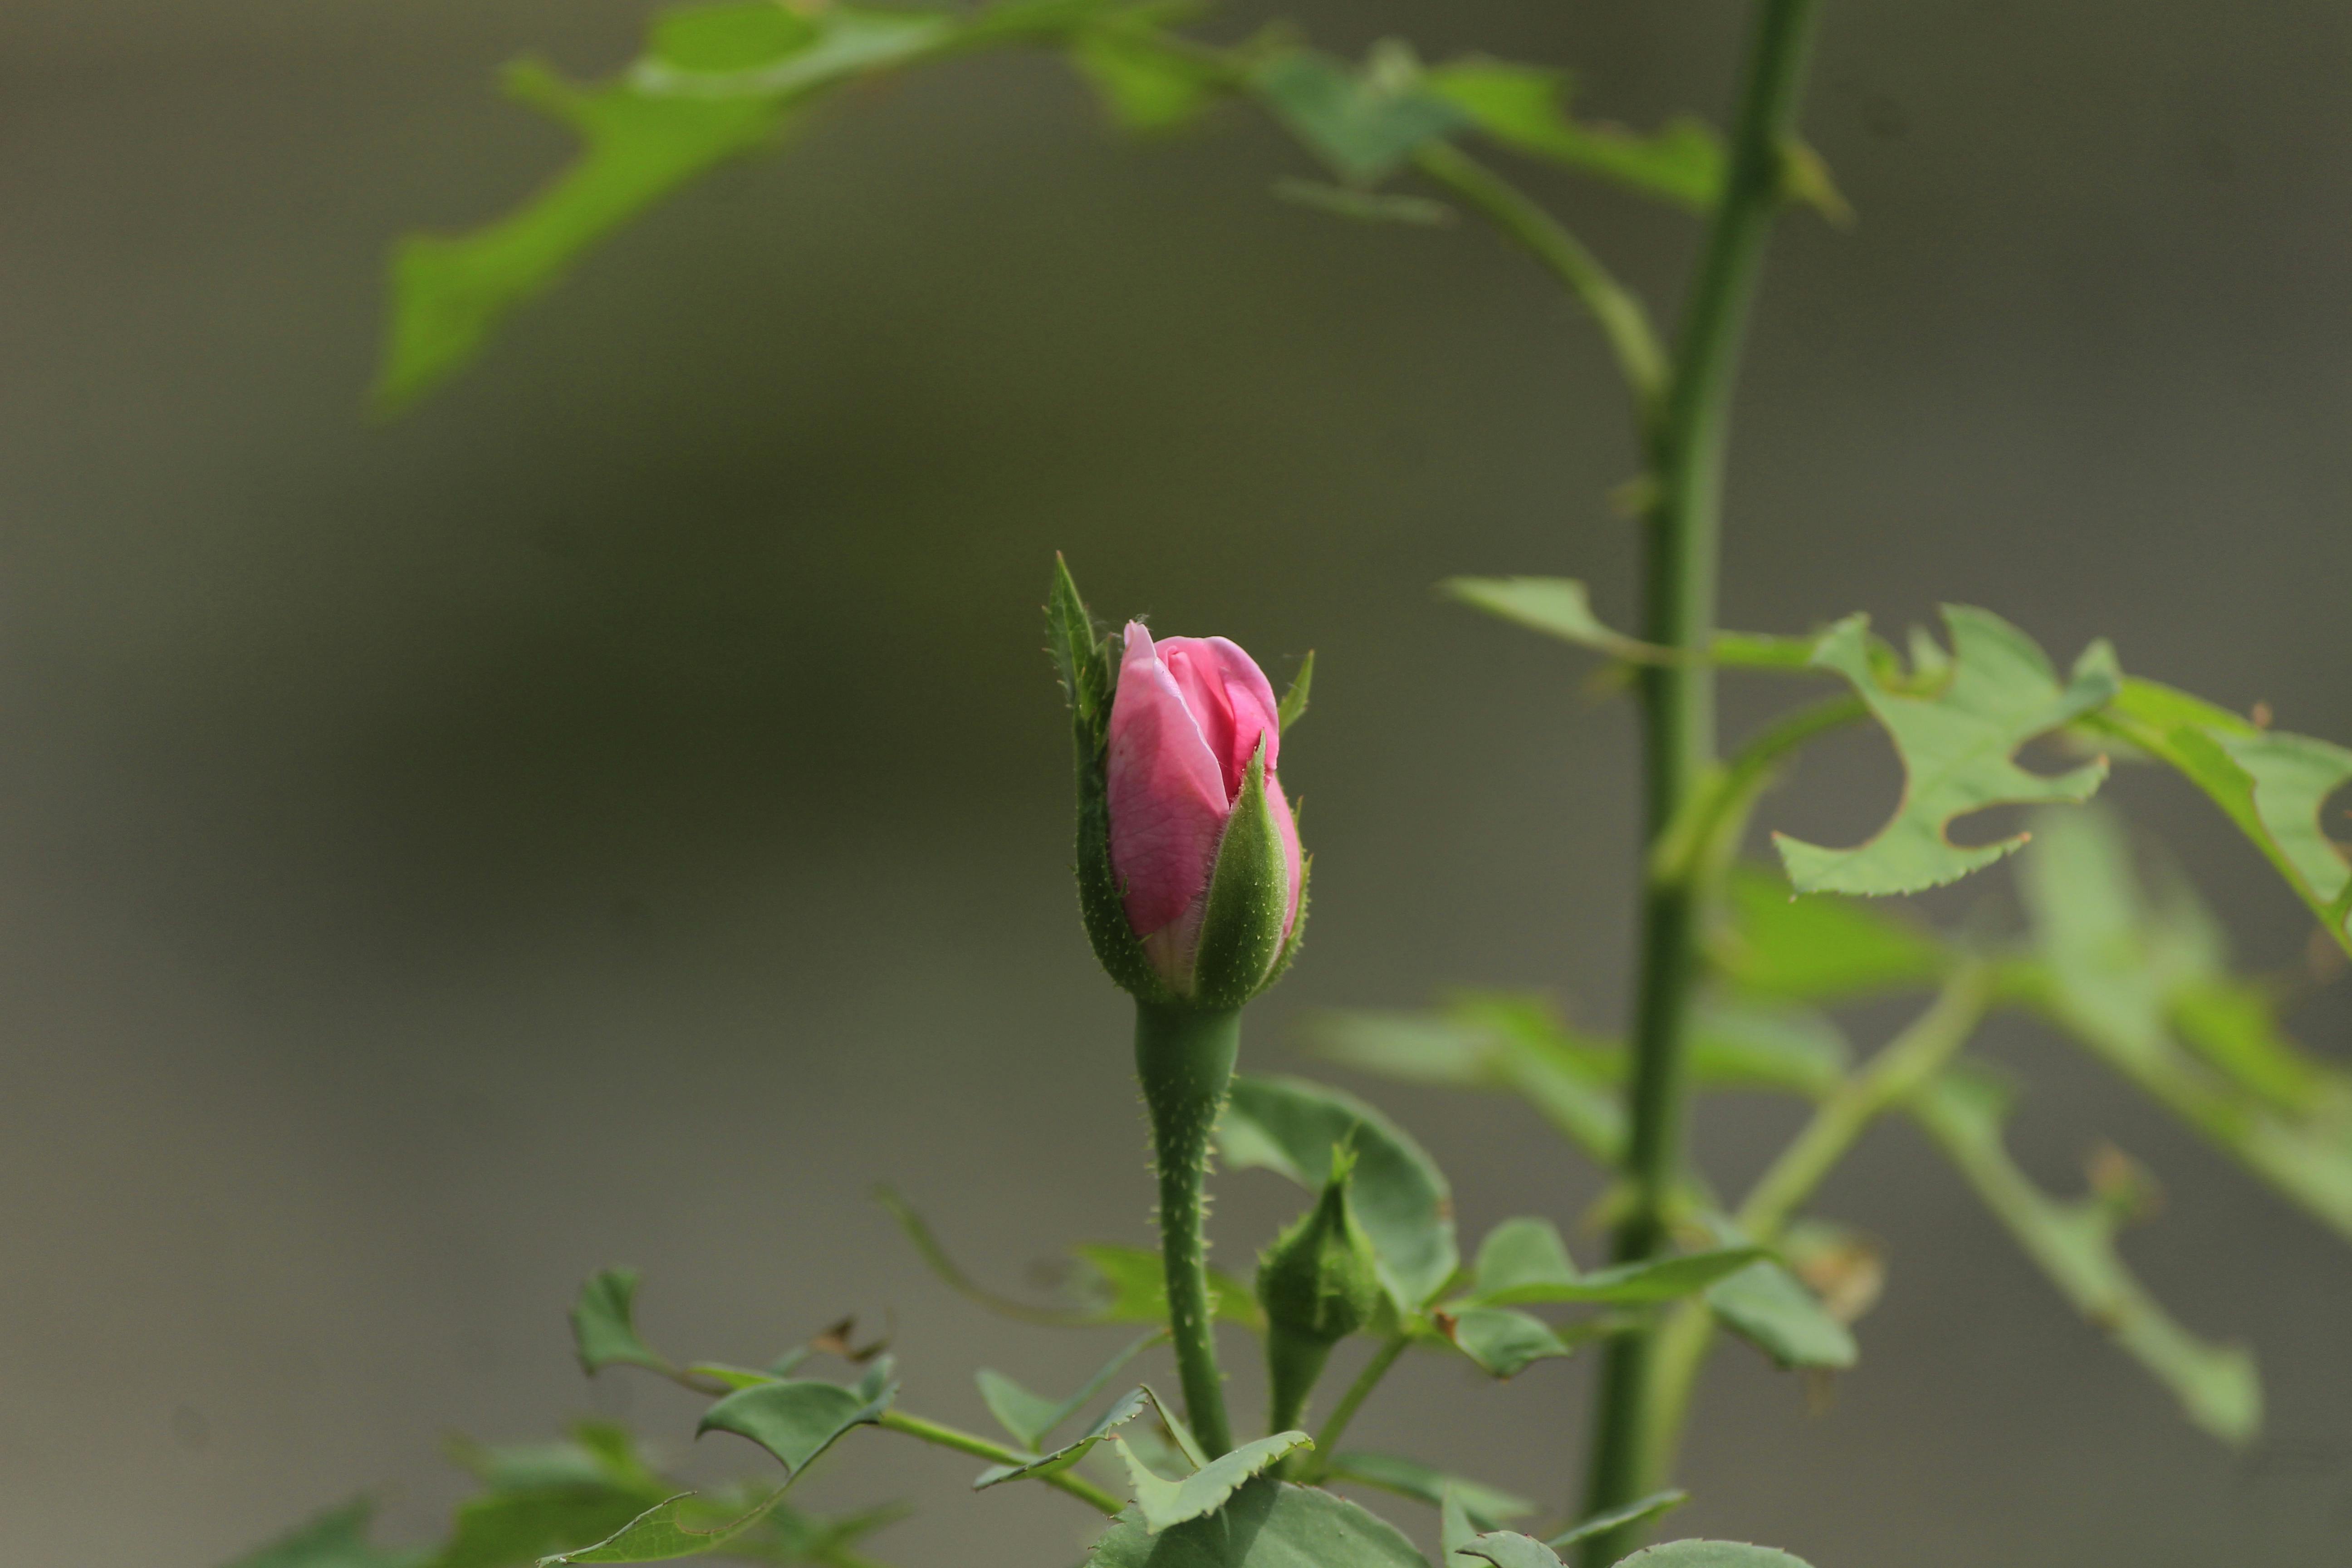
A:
(1326, 1441)
(979, 1447)
(1686, 462)
(1184, 1060)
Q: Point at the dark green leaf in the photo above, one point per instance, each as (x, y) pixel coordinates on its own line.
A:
(1957, 745)
(1125, 1408)
(335, 1539)
(1265, 1524)
(1487, 1507)
(1770, 1308)
(1164, 1503)
(1524, 108)
(1290, 1126)
(1365, 124)
(1821, 948)
(1710, 1554)
(1635, 1513)
(1509, 1549)
(604, 1324)
(2074, 1243)
(799, 1419)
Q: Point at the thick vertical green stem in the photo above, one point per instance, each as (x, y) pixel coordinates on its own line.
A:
(1686, 449)
(1184, 1060)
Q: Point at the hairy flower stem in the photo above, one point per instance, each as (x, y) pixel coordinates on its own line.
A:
(1686, 452)
(1184, 1060)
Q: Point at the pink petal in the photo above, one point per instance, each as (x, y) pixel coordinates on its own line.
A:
(1167, 798)
(1231, 698)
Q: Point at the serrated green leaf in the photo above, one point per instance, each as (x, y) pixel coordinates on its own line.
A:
(1125, 1408)
(604, 1324)
(1265, 1524)
(1711, 1554)
(1562, 608)
(1364, 123)
(1770, 1308)
(798, 1419)
(1640, 1510)
(2272, 784)
(1164, 1503)
(338, 1539)
(1130, 1285)
(1822, 948)
(1525, 109)
(2074, 1243)
(719, 82)
(1502, 1343)
(1291, 1126)
(2123, 973)
(1958, 747)
(1509, 1549)
(1487, 1507)
(1031, 1418)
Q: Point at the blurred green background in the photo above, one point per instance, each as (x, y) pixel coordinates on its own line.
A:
(619, 812)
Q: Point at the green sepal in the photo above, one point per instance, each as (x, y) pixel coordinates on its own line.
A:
(1242, 935)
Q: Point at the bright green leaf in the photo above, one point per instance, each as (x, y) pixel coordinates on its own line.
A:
(1523, 1262)
(1771, 1309)
(1164, 1503)
(1640, 1510)
(1291, 1127)
(2273, 785)
(1366, 123)
(1958, 746)
(1518, 1252)
(604, 1324)
(2074, 1243)
(1455, 1530)
(1744, 1042)
(1821, 948)
(1146, 85)
(1710, 1554)
(731, 38)
(1562, 608)
(335, 1539)
(1487, 1507)
(1293, 700)
(1502, 1343)
(1127, 1285)
(798, 1420)
(1265, 1524)
(1524, 108)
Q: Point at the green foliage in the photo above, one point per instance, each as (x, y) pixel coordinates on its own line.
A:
(1489, 1508)
(2273, 785)
(1639, 1511)
(1507, 1549)
(1562, 608)
(1819, 948)
(1130, 1285)
(604, 1324)
(1364, 123)
(798, 1419)
(338, 1539)
(1031, 1418)
(1293, 700)
(1125, 1408)
(1292, 1127)
(1523, 1262)
(1710, 1554)
(1503, 1342)
(1770, 1308)
(2074, 1243)
(1164, 1503)
(1957, 744)
(1525, 107)
(1265, 1524)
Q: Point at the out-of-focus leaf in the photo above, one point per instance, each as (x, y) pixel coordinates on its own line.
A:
(1523, 1262)
(798, 1419)
(1487, 1507)
(1844, 1269)
(1743, 1042)
(1265, 1524)
(1293, 700)
(1123, 1410)
(2272, 784)
(1364, 123)
(1030, 1417)
(1822, 948)
(664, 1531)
(1130, 1285)
(1502, 1343)
(1365, 206)
(1290, 1126)
(1509, 1549)
(604, 1324)
(1770, 1308)
(1164, 1503)
(1520, 1252)
(542, 1498)
(1455, 1532)
(2117, 965)
(1562, 608)
(1145, 84)
(1957, 745)
(2074, 1243)
(1640, 1510)
(1711, 1554)
(1525, 107)
(338, 1539)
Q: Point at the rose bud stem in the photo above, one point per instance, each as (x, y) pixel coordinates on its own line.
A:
(1184, 1060)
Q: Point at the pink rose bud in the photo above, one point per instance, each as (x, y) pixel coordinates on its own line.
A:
(1201, 841)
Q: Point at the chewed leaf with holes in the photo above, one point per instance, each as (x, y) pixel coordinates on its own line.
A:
(2073, 1243)
(2273, 785)
(1959, 747)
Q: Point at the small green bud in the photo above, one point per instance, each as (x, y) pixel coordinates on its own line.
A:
(1318, 1279)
